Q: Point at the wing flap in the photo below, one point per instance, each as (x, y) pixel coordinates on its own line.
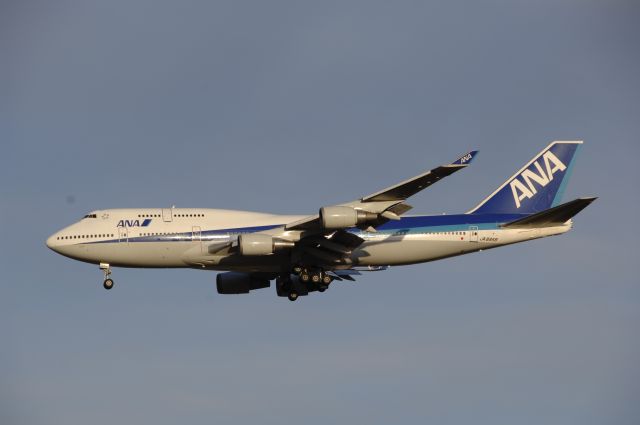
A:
(333, 249)
(346, 274)
(346, 239)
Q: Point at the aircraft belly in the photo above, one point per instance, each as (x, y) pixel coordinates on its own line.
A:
(408, 251)
(139, 254)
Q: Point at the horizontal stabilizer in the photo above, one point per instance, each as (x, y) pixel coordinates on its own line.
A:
(552, 216)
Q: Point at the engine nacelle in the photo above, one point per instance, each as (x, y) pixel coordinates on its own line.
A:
(239, 283)
(259, 244)
(344, 217)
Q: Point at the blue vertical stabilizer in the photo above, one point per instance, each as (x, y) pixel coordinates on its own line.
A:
(538, 185)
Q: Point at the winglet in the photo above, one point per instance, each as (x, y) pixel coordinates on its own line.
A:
(465, 159)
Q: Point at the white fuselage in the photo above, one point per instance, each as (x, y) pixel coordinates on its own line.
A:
(184, 237)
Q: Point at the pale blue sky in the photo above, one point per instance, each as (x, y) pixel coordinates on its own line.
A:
(285, 107)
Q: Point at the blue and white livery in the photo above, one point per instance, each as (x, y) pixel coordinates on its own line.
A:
(305, 254)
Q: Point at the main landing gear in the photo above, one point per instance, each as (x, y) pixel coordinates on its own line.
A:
(317, 277)
(108, 282)
(311, 280)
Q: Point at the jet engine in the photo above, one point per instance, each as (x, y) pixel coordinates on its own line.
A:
(339, 217)
(239, 283)
(260, 244)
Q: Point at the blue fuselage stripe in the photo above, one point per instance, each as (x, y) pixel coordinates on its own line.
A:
(406, 225)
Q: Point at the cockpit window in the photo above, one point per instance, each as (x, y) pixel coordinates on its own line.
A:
(90, 216)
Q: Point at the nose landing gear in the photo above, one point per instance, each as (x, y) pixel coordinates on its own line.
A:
(108, 282)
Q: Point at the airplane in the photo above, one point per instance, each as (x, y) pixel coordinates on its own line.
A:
(305, 254)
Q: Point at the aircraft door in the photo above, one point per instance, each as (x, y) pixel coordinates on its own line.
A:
(196, 235)
(123, 234)
(473, 233)
(167, 214)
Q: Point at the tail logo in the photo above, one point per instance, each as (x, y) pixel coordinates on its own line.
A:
(523, 185)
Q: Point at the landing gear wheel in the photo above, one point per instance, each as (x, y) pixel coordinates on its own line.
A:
(292, 296)
(108, 284)
(326, 279)
(305, 277)
(297, 270)
(316, 278)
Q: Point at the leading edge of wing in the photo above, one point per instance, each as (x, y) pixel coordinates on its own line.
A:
(410, 187)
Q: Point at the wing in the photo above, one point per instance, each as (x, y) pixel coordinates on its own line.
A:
(388, 204)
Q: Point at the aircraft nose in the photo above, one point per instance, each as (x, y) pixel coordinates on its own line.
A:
(51, 242)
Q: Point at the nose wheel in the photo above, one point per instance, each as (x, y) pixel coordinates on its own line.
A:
(108, 282)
